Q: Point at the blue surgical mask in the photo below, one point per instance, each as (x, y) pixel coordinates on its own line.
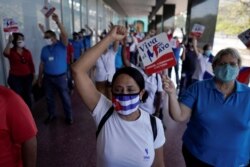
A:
(226, 73)
(126, 104)
(207, 53)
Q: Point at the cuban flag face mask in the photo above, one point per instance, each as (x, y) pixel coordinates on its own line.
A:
(126, 104)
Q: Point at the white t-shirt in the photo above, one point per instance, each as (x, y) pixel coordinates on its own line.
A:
(105, 66)
(124, 143)
(152, 85)
(202, 65)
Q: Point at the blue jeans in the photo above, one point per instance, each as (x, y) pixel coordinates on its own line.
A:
(22, 85)
(57, 83)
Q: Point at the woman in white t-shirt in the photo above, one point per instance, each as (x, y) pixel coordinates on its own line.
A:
(105, 68)
(126, 138)
(203, 66)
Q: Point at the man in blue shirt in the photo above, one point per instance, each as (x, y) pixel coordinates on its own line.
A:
(52, 71)
(86, 37)
(77, 45)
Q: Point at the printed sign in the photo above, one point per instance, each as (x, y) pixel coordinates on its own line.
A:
(156, 54)
(197, 30)
(48, 10)
(245, 37)
(10, 25)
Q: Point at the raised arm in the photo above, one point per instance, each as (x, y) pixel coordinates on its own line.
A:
(42, 28)
(63, 33)
(195, 46)
(125, 60)
(90, 30)
(178, 111)
(6, 51)
(80, 68)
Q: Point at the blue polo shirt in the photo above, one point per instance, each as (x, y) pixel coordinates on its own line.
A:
(87, 41)
(54, 58)
(218, 132)
(78, 47)
(118, 58)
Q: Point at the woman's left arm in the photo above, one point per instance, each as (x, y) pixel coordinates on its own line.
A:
(159, 159)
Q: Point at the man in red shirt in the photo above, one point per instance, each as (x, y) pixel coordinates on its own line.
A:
(18, 131)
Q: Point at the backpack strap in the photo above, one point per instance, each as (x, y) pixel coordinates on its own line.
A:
(104, 119)
(153, 125)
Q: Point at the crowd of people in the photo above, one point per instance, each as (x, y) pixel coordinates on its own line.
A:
(125, 102)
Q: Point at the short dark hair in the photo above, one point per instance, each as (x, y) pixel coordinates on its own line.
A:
(75, 34)
(51, 33)
(136, 75)
(16, 35)
(82, 30)
(206, 47)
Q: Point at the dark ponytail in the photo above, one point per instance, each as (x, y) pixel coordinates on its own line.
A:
(144, 96)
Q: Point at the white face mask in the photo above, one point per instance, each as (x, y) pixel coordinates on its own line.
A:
(20, 43)
(48, 41)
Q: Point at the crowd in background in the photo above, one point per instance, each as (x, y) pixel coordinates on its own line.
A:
(110, 76)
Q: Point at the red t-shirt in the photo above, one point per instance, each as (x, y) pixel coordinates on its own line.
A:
(20, 64)
(16, 126)
(70, 52)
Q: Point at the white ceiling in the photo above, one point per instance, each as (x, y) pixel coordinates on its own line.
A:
(137, 8)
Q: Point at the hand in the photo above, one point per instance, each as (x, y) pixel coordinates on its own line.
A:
(168, 85)
(55, 17)
(10, 38)
(117, 33)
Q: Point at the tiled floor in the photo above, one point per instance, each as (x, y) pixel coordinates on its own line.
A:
(61, 145)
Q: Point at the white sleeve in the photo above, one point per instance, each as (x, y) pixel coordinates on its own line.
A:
(160, 138)
(101, 108)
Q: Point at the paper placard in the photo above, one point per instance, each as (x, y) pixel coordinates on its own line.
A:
(10, 25)
(48, 10)
(156, 54)
(245, 37)
(197, 30)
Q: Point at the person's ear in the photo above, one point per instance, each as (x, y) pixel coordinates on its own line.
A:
(141, 93)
